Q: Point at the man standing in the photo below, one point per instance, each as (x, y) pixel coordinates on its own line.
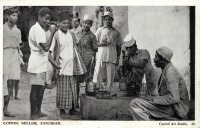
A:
(137, 63)
(87, 45)
(109, 49)
(172, 102)
(38, 61)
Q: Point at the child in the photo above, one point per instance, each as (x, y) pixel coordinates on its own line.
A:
(11, 63)
(38, 61)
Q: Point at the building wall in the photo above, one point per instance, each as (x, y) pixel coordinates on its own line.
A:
(153, 27)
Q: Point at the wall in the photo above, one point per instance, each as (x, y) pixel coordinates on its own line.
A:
(154, 27)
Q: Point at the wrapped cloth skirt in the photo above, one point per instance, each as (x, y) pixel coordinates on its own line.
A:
(66, 92)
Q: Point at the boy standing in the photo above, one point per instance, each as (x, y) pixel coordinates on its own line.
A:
(64, 41)
(11, 61)
(37, 65)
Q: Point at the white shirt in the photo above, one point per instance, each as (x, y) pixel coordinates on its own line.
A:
(38, 59)
(11, 37)
(66, 52)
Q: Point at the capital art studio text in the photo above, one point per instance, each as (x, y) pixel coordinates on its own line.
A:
(172, 123)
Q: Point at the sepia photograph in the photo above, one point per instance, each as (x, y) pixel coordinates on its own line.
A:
(99, 63)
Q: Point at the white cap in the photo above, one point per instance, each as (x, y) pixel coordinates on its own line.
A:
(108, 13)
(165, 52)
(88, 17)
(129, 41)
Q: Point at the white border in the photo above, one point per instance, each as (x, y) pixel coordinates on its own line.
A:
(113, 124)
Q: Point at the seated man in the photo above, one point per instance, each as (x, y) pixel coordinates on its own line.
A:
(136, 63)
(172, 102)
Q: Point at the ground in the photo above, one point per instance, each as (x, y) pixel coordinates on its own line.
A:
(22, 107)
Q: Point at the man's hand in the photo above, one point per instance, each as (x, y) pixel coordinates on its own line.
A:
(104, 43)
(53, 28)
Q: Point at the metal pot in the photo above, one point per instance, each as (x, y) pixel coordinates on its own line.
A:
(91, 87)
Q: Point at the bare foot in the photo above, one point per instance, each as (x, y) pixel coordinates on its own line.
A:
(41, 115)
(34, 117)
(17, 98)
(73, 112)
(64, 116)
(8, 114)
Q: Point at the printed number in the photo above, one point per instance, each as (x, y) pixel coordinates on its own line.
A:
(193, 123)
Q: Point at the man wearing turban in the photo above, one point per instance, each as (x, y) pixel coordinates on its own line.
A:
(172, 101)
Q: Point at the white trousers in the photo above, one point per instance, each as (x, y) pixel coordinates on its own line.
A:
(99, 72)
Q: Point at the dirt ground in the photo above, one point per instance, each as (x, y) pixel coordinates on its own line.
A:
(22, 107)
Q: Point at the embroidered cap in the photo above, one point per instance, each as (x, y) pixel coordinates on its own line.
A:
(108, 13)
(87, 17)
(165, 52)
(129, 41)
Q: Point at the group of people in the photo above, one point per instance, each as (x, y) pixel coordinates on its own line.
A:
(57, 50)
